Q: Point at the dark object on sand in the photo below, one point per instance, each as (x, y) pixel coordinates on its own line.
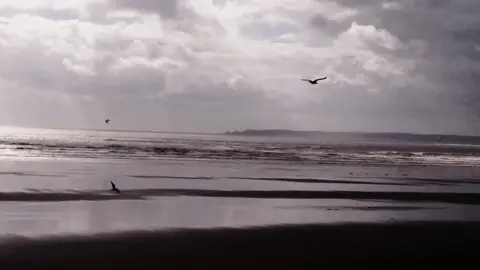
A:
(107, 121)
(114, 188)
(314, 81)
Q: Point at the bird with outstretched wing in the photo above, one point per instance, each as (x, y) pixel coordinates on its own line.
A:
(314, 81)
(114, 188)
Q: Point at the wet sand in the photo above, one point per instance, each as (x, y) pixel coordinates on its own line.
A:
(144, 194)
(287, 247)
(209, 194)
(66, 197)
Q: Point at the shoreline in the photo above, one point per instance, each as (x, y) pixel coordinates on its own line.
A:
(338, 245)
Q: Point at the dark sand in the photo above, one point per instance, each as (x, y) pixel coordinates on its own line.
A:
(287, 247)
(143, 194)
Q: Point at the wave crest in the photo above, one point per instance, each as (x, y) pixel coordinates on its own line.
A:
(375, 154)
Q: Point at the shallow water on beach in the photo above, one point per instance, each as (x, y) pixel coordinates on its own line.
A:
(49, 188)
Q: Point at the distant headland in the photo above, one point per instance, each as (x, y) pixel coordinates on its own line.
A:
(288, 132)
(462, 139)
(273, 132)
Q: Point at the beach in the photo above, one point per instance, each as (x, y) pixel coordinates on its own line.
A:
(191, 199)
(432, 244)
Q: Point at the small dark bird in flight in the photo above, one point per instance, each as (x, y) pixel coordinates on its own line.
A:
(107, 121)
(114, 188)
(314, 81)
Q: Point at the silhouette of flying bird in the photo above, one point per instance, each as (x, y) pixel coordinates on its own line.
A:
(314, 81)
(107, 121)
(114, 188)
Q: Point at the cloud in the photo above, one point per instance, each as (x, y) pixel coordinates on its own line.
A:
(185, 65)
(439, 38)
(165, 8)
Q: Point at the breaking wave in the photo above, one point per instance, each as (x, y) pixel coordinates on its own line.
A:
(228, 149)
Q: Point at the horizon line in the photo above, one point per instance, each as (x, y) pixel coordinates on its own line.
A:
(239, 132)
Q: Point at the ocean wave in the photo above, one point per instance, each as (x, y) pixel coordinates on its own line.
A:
(375, 154)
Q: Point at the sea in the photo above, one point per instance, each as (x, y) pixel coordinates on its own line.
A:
(57, 181)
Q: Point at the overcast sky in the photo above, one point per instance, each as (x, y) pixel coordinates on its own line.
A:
(216, 65)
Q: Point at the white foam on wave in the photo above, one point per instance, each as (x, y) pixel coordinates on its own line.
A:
(51, 145)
